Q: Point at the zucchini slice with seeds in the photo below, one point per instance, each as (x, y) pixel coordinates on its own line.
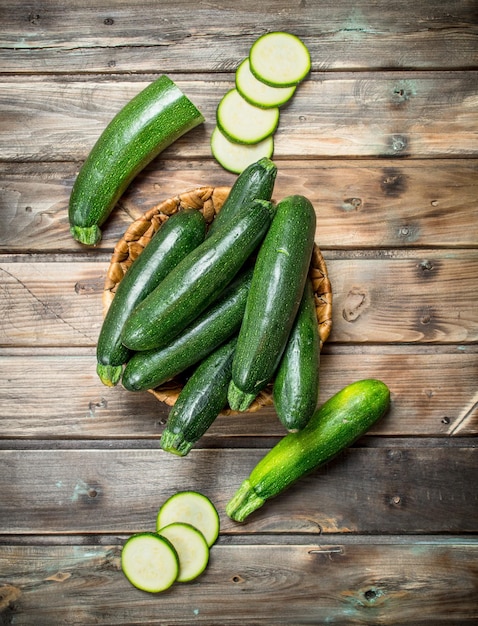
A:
(258, 93)
(279, 59)
(243, 122)
(191, 548)
(235, 157)
(190, 507)
(150, 562)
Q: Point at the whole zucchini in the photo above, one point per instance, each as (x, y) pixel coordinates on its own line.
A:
(151, 368)
(277, 285)
(296, 385)
(256, 181)
(145, 126)
(201, 400)
(179, 235)
(333, 427)
(197, 280)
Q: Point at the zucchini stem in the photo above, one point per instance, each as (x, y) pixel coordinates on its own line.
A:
(244, 502)
(239, 400)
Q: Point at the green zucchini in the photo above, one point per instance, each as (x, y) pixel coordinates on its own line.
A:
(296, 385)
(148, 124)
(256, 181)
(179, 235)
(150, 562)
(150, 368)
(279, 59)
(201, 400)
(242, 122)
(197, 280)
(277, 285)
(333, 427)
(235, 157)
(191, 548)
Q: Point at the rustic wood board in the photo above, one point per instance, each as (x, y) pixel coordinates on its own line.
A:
(382, 138)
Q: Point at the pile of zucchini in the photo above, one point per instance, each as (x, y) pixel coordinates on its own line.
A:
(229, 307)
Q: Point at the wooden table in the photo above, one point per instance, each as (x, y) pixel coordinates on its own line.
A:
(382, 138)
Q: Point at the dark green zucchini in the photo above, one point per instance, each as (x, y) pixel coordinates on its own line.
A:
(278, 282)
(179, 235)
(256, 181)
(151, 368)
(148, 124)
(333, 427)
(197, 280)
(296, 385)
(201, 400)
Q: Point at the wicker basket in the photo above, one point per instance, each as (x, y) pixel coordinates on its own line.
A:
(208, 200)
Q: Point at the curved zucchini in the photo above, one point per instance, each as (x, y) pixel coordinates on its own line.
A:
(277, 285)
(335, 426)
(256, 181)
(179, 235)
(296, 384)
(197, 280)
(148, 124)
(151, 368)
(201, 400)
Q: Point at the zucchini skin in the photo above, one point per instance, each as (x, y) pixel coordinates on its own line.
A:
(256, 181)
(296, 385)
(333, 427)
(146, 125)
(197, 280)
(179, 235)
(201, 400)
(151, 368)
(278, 282)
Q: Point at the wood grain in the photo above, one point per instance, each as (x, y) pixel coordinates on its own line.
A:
(386, 583)
(406, 490)
(109, 37)
(359, 204)
(384, 299)
(335, 115)
(421, 405)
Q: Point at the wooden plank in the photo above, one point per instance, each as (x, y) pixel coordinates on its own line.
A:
(422, 299)
(432, 395)
(383, 490)
(386, 203)
(216, 36)
(337, 115)
(372, 583)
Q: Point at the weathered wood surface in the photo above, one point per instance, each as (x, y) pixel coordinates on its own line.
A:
(360, 204)
(382, 137)
(341, 582)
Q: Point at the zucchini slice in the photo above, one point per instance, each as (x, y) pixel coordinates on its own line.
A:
(150, 562)
(258, 93)
(190, 507)
(235, 157)
(243, 122)
(191, 547)
(279, 59)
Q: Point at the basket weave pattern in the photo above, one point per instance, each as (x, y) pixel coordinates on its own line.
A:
(209, 201)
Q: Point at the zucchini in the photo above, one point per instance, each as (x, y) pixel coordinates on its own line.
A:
(148, 124)
(150, 562)
(179, 235)
(258, 93)
(334, 426)
(191, 548)
(197, 280)
(256, 181)
(296, 385)
(190, 507)
(235, 157)
(150, 368)
(276, 290)
(243, 122)
(279, 59)
(200, 401)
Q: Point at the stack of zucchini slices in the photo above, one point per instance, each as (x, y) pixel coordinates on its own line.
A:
(248, 115)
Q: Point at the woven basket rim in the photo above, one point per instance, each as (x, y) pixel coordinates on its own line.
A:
(208, 200)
